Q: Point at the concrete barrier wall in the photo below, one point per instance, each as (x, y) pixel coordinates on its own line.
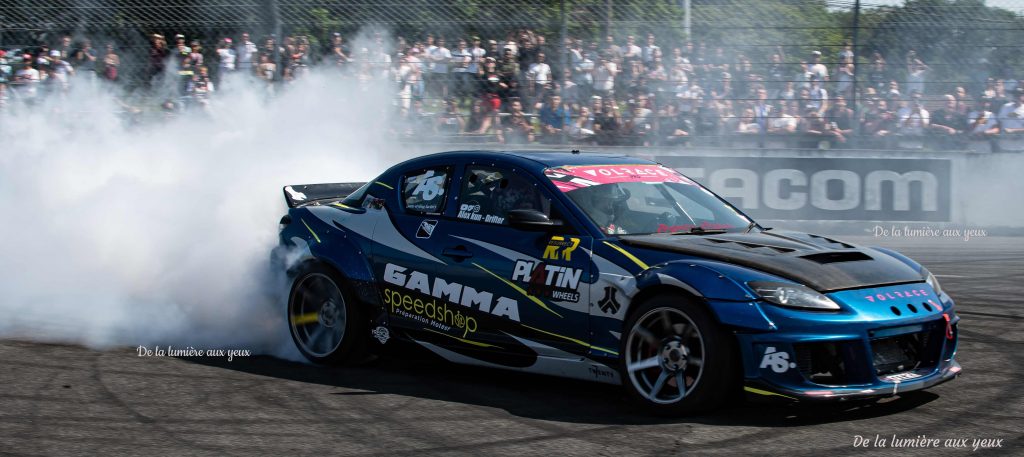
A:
(848, 191)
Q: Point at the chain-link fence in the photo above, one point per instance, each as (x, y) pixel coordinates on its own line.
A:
(666, 72)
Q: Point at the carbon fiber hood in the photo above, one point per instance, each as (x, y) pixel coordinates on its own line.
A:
(819, 262)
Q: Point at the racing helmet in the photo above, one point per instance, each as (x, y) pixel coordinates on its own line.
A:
(605, 204)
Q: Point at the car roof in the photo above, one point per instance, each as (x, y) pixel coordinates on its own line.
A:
(543, 159)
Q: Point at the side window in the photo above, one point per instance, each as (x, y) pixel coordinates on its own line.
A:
(488, 194)
(423, 191)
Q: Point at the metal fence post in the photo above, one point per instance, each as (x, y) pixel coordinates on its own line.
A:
(854, 99)
(274, 16)
(686, 19)
(564, 58)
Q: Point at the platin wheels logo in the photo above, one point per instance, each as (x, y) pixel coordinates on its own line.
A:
(382, 334)
(426, 229)
(550, 281)
(609, 304)
(777, 361)
(560, 248)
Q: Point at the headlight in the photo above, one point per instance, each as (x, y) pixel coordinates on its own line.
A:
(931, 280)
(792, 295)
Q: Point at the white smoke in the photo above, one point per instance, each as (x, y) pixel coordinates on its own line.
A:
(160, 233)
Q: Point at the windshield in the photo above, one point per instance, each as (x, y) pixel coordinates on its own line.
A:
(644, 199)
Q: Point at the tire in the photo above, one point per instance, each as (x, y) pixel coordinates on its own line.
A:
(326, 323)
(670, 340)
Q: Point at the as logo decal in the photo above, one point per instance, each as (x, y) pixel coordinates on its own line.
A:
(382, 334)
(549, 281)
(609, 304)
(777, 361)
(430, 186)
(560, 248)
(426, 229)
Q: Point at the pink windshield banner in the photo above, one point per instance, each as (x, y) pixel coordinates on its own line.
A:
(570, 178)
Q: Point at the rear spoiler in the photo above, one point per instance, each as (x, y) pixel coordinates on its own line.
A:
(304, 194)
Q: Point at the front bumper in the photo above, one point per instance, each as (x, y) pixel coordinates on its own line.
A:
(760, 390)
(872, 348)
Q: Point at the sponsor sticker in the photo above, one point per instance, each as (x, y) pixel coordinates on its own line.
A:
(382, 334)
(601, 372)
(778, 361)
(706, 225)
(428, 288)
(429, 186)
(570, 178)
(471, 211)
(900, 377)
(893, 295)
(296, 195)
(609, 304)
(550, 281)
(426, 229)
(561, 248)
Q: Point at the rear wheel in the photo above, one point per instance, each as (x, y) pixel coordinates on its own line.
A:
(675, 358)
(325, 322)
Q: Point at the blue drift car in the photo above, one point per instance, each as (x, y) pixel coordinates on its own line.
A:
(604, 268)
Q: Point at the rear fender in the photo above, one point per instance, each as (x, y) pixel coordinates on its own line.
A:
(309, 238)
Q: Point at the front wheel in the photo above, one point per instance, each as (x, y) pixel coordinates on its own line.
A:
(326, 324)
(675, 358)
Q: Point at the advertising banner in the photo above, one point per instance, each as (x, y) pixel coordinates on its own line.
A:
(827, 189)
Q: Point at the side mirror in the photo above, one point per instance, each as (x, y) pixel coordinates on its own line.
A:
(531, 219)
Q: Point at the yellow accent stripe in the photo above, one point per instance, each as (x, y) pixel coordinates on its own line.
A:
(475, 343)
(385, 185)
(626, 253)
(303, 319)
(574, 340)
(519, 289)
(317, 238)
(765, 392)
(341, 205)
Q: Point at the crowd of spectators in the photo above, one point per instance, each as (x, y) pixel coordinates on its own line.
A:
(621, 90)
(30, 75)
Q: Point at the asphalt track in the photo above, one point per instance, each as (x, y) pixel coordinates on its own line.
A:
(67, 400)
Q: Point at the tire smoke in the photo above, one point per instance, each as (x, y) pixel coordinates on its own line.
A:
(160, 233)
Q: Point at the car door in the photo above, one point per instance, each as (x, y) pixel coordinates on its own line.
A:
(408, 266)
(532, 284)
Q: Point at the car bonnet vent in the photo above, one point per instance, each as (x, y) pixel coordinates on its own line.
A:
(840, 256)
(831, 241)
(751, 245)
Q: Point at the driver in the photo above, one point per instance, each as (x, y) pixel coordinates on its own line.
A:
(519, 194)
(507, 193)
(608, 207)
